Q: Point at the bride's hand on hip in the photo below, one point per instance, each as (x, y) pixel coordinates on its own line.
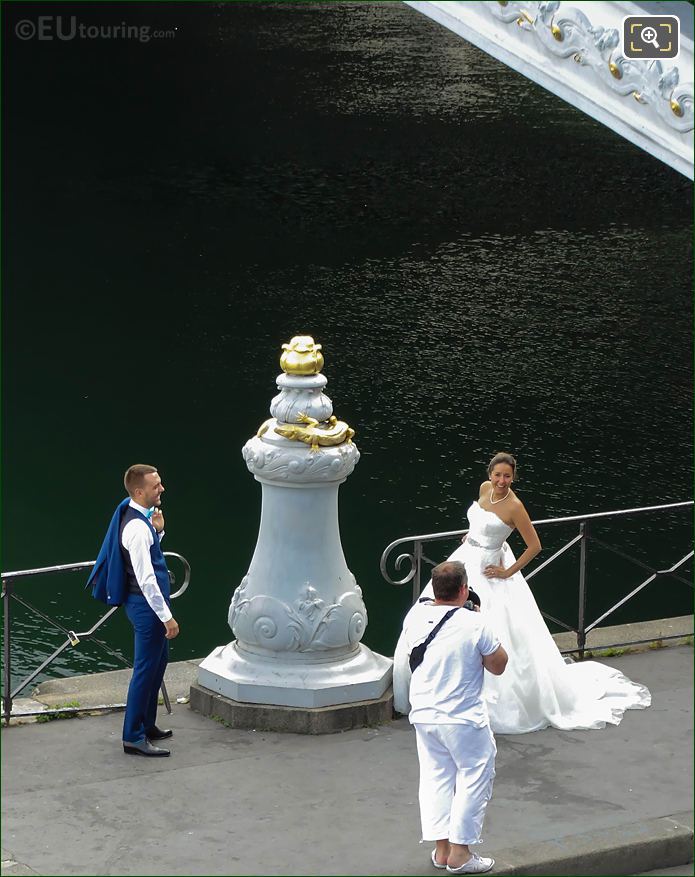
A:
(495, 572)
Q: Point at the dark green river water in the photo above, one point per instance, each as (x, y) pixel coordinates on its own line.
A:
(485, 267)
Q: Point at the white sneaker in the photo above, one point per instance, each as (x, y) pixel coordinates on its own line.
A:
(436, 864)
(475, 865)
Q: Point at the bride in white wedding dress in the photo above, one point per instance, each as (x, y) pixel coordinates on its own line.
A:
(538, 689)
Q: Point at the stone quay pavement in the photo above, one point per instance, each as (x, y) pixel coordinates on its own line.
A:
(227, 802)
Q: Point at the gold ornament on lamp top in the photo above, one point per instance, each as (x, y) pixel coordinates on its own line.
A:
(327, 435)
(301, 356)
(333, 432)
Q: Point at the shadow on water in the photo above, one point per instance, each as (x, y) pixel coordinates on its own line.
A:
(485, 267)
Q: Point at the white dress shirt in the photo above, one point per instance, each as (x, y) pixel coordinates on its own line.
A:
(137, 539)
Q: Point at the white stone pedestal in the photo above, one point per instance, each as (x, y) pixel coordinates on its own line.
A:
(298, 615)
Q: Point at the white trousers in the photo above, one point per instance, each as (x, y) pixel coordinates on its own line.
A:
(457, 769)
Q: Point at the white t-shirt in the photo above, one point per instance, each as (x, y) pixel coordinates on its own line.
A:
(446, 689)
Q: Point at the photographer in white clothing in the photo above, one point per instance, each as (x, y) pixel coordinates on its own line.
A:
(456, 748)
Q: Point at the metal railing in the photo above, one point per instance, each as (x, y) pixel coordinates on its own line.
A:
(73, 639)
(417, 559)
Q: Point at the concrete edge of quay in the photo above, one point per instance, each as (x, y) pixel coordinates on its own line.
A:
(633, 848)
(109, 689)
(627, 638)
(661, 842)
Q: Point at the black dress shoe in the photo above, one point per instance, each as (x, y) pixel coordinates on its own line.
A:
(144, 747)
(156, 734)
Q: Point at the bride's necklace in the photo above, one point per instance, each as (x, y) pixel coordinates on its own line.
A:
(495, 501)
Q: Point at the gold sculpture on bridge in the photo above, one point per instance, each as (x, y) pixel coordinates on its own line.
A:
(302, 356)
(316, 435)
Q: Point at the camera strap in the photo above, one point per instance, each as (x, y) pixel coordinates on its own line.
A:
(417, 653)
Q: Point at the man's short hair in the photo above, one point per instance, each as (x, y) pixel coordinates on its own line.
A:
(447, 579)
(135, 476)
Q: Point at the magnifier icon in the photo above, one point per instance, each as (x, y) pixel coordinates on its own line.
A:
(648, 35)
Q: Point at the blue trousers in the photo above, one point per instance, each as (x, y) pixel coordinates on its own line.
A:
(151, 656)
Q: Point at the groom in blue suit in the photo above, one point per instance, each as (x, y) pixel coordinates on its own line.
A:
(131, 570)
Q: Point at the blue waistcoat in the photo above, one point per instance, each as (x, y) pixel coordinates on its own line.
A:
(156, 556)
(112, 570)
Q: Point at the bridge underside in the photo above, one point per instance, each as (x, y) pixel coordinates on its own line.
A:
(576, 53)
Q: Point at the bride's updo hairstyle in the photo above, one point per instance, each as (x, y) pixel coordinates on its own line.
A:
(502, 457)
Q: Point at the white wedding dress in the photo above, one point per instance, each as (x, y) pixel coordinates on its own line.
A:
(537, 689)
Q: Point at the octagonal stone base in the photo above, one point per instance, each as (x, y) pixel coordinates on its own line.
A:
(362, 675)
(292, 720)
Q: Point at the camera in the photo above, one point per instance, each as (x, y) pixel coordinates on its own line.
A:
(473, 601)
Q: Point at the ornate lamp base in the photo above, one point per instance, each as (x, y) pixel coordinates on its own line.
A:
(362, 675)
(298, 615)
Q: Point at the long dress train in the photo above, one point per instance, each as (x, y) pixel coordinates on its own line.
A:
(538, 688)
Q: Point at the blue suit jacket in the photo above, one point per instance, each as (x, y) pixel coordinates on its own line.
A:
(108, 578)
